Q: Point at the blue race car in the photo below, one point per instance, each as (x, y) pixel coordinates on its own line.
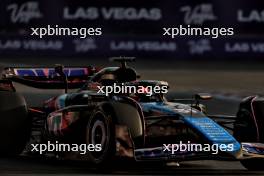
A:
(140, 124)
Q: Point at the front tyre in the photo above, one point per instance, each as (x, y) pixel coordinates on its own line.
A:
(100, 132)
(247, 127)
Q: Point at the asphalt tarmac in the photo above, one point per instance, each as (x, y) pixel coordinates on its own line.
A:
(41, 166)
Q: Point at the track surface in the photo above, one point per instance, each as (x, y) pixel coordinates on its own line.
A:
(29, 166)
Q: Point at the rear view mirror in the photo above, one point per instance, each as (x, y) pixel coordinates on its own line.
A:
(203, 96)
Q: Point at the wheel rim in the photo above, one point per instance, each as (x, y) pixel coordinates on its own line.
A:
(98, 135)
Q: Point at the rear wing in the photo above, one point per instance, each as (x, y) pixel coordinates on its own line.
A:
(47, 78)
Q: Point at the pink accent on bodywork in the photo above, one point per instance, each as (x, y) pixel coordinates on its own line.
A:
(254, 117)
(46, 72)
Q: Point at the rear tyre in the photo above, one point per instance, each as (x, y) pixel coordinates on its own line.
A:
(14, 124)
(245, 130)
(100, 131)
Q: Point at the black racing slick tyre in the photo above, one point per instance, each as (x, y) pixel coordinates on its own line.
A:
(247, 126)
(100, 132)
(14, 123)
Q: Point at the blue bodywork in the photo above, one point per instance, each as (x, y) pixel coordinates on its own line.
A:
(208, 128)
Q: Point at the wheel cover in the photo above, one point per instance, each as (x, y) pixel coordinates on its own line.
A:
(98, 134)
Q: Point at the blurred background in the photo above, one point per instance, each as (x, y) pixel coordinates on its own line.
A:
(228, 64)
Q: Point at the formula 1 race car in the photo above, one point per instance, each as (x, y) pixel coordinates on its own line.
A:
(141, 125)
